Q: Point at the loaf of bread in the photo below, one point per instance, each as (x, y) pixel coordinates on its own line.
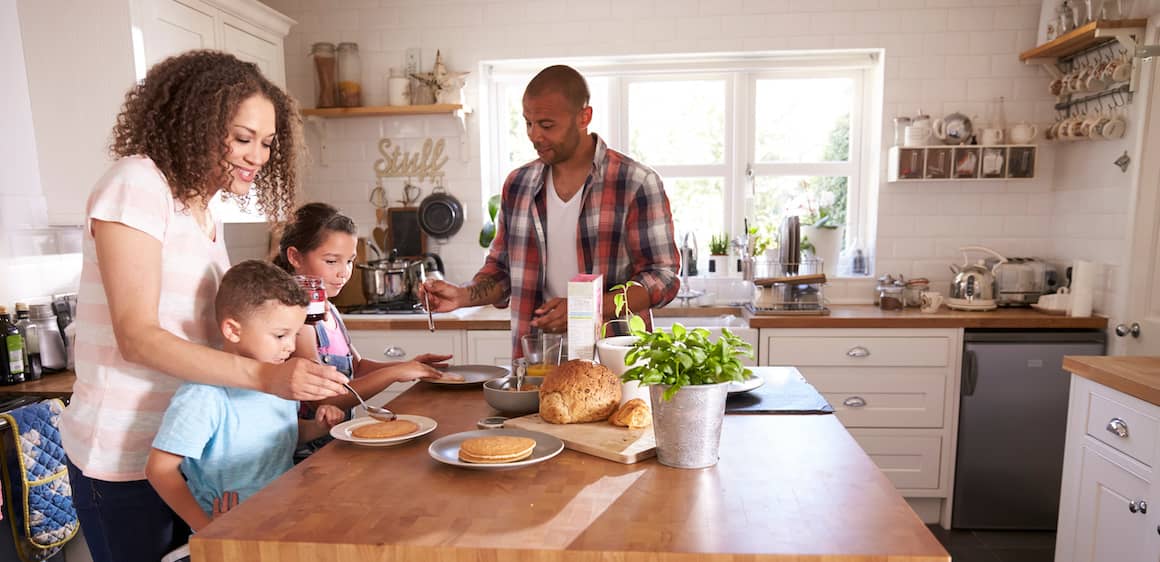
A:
(579, 391)
(633, 414)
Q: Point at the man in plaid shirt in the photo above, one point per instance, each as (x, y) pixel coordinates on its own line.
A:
(580, 208)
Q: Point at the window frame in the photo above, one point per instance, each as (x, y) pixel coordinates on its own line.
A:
(741, 72)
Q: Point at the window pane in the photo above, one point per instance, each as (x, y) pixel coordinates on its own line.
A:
(677, 122)
(517, 149)
(698, 206)
(804, 120)
(810, 197)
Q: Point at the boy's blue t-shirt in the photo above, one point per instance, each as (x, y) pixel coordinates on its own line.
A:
(232, 439)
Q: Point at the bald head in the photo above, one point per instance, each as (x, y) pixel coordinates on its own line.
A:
(563, 80)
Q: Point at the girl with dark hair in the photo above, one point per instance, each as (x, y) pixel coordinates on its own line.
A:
(321, 242)
(200, 124)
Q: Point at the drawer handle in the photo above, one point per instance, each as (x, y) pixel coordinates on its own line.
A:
(1138, 506)
(395, 352)
(858, 351)
(854, 402)
(1118, 427)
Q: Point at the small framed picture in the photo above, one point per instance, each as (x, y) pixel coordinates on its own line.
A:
(938, 163)
(966, 162)
(1021, 162)
(994, 162)
(910, 161)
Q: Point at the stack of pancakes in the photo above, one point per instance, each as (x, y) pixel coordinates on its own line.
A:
(496, 450)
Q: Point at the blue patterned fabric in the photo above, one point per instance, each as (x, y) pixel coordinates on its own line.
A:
(39, 498)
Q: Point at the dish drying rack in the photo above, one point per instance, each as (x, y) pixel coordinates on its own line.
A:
(801, 293)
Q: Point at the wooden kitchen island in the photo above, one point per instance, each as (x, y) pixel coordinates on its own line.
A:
(787, 488)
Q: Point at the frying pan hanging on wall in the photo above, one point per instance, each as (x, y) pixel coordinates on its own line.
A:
(440, 214)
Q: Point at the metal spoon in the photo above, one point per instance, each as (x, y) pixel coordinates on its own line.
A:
(381, 414)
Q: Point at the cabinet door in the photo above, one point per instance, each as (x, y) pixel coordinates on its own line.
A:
(173, 27)
(404, 345)
(489, 347)
(1106, 528)
(250, 44)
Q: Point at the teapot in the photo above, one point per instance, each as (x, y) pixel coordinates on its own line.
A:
(974, 284)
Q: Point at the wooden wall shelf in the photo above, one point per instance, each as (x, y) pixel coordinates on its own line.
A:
(1083, 37)
(384, 110)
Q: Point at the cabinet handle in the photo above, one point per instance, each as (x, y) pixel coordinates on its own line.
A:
(1118, 427)
(854, 402)
(1138, 506)
(858, 351)
(395, 352)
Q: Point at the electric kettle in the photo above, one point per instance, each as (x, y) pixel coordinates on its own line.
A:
(974, 285)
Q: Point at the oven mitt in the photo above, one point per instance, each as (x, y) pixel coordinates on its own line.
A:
(36, 486)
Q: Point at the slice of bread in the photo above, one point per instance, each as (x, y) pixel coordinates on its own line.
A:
(633, 414)
(498, 449)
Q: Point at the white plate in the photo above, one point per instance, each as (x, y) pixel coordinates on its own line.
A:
(754, 381)
(1048, 310)
(446, 449)
(473, 375)
(342, 431)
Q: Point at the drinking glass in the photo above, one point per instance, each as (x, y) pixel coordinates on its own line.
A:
(543, 352)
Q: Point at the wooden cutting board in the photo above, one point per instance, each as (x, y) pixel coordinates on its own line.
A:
(600, 439)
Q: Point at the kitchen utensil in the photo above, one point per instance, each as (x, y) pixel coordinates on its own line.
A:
(379, 237)
(426, 298)
(974, 285)
(385, 280)
(955, 128)
(790, 244)
(404, 232)
(600, 439)
(381, 414)
(411, 193)
(343, 431)
(990, 136)
(1022, 133)
(931, 301)
(378, 196)
(543, 352)
(440, 214)
(446, 449)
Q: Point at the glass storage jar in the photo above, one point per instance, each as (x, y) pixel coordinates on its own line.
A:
(326, 69)
(890, 297)
(915, 288)
(349, 75)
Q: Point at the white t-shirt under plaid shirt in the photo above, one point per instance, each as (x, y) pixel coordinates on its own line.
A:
(117, 406)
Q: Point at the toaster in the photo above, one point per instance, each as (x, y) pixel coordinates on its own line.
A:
(1021, 281)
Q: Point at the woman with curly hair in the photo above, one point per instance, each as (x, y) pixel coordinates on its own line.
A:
(200, 124)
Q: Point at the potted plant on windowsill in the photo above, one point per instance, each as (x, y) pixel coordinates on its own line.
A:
(718, 255)
(689, 377)
(617, 338)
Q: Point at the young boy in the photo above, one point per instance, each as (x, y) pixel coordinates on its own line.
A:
(219, 445)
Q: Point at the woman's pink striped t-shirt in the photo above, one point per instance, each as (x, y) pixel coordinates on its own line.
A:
(117, 406)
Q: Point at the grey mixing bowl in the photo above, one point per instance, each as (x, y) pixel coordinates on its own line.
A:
(511, 401)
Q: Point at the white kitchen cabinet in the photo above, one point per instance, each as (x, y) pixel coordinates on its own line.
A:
(895, 390)
(247, 29)
(489, 347)
(1108, 479)
(405, 345)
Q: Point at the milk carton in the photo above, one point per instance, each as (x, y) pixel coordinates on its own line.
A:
(585, 315)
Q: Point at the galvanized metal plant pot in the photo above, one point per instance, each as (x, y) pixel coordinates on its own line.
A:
(688, 427)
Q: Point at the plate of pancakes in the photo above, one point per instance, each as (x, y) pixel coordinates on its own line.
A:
(468, 375)
(375, 433)
(495, 449)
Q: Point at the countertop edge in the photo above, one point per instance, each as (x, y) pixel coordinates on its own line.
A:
(1136, 376)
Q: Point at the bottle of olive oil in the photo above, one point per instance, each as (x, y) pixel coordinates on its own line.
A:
(11, 365)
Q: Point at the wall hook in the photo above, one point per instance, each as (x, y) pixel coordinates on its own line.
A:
(1123, 161)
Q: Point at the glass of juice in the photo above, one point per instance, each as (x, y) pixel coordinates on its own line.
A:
(543, 352)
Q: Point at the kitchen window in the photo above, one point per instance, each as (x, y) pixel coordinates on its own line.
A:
(755, 137)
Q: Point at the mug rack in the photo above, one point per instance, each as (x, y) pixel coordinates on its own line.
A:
(1091, 44)
(961, 163)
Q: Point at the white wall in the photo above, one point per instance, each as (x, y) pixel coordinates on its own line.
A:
(941, 56)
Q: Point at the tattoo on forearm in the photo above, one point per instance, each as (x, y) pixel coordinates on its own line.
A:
(480, 290)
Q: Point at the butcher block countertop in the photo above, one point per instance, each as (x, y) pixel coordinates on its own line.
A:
(841, 316)
(1133, 375)
(787, 488)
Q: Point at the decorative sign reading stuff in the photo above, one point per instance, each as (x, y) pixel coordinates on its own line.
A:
(424, 164)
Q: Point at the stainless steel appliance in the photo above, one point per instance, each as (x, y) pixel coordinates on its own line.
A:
(974, 285)
(1021, 281)
(397, 279)
(1012, 421)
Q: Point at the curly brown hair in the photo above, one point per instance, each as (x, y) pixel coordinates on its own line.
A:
(183, 109)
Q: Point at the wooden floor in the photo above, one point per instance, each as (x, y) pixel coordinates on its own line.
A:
(997, 546)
